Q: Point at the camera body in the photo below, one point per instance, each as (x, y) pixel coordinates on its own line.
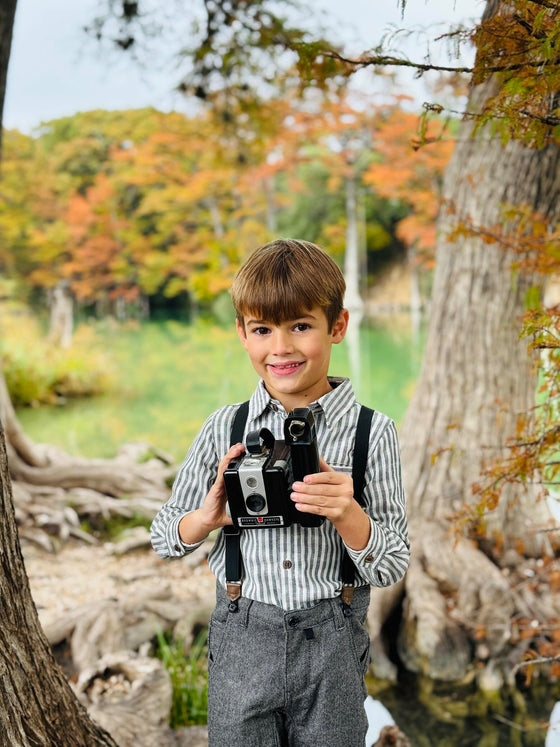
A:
(258, 484)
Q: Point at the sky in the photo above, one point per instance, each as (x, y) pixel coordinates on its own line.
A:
(56, 70)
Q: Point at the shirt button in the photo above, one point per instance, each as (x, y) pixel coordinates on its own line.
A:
(287, 564)
(293, 621)
(368, 559)
(177, 548)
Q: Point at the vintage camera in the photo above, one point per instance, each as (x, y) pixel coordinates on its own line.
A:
(258, 485)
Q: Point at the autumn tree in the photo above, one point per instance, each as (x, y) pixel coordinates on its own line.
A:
(409, 167)
(476, 375)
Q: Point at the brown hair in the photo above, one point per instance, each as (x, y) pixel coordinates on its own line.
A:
(284, 279)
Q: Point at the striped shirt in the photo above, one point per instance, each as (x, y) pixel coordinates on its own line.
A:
(294, 567)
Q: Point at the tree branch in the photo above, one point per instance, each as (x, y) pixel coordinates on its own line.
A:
(388, 60)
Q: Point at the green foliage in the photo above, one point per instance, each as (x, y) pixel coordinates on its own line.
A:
(518, 47)
(188, 677)
(39, 373)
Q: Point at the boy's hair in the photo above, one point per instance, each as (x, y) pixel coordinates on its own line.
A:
(284, 279)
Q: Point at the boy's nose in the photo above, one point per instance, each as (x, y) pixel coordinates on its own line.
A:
(281, 343)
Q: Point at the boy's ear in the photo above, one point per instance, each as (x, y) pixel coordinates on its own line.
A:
(340, 327)
(241, 332)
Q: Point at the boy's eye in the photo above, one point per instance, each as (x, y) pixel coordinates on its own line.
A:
(302, 326)
(260, 330)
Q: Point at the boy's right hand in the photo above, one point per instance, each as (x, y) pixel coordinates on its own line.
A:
(213, 510)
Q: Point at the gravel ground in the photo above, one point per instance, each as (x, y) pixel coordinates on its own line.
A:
(81, 573)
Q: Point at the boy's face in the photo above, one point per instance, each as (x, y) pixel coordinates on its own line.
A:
(293, 357)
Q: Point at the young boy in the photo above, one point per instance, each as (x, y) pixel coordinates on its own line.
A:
(287, 656)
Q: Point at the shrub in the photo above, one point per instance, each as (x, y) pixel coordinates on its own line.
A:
(40, 373)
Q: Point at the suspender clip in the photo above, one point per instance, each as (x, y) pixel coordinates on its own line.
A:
(233, 590)
(347, 594)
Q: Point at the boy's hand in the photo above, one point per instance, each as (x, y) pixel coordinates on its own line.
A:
(196, 526)
(213, 510)
(331, 494)
(325, 493)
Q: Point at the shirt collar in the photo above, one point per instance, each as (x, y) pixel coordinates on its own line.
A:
(333, 404)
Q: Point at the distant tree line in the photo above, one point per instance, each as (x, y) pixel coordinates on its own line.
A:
(130, 210)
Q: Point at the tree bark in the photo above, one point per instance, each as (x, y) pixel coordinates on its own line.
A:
(38, 705)
(476, 374)
(7, 15)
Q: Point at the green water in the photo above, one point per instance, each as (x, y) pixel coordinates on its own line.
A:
(169, 376)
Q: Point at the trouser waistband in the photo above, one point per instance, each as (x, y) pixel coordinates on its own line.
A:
(323, 610)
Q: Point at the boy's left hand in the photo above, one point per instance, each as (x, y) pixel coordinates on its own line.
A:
(331, 494)
(326, 493)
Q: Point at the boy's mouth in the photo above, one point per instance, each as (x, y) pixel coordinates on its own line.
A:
(285, 369)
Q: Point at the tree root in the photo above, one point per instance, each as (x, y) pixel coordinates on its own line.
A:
(464, 616)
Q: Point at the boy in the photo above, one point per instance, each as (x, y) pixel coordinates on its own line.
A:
(287, 656)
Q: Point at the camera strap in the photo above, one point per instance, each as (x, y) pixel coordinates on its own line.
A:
(232, 535)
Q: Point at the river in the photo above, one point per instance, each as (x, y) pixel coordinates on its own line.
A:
(170, 375)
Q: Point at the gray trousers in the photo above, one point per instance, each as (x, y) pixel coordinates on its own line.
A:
(288, 678)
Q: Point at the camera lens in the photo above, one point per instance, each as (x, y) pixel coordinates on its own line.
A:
(255, 502)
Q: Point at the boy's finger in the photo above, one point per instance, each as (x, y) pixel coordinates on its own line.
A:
(324, 466)
(235, 451)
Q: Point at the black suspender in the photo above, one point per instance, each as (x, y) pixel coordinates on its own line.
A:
(239, 421)
(359, 465)
(233, 534)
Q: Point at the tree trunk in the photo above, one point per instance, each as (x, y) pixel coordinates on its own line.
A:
(476, 374)
(38, 705)
(7, 14)
(475, 379)
(61, 322)
(353, 300)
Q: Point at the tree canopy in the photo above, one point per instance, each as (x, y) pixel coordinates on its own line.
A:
(145, 204)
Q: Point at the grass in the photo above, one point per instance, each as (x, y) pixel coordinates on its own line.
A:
(189, 678)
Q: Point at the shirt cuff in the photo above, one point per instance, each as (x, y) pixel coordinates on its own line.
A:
(371, 555)
(177, 547)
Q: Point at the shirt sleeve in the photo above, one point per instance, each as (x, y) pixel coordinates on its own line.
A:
(384, 560)
(194, 479)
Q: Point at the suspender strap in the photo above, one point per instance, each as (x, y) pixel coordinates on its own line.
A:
(359, 465)
(361, 449)
(232, 538)
(239, 421)
(232, 535)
